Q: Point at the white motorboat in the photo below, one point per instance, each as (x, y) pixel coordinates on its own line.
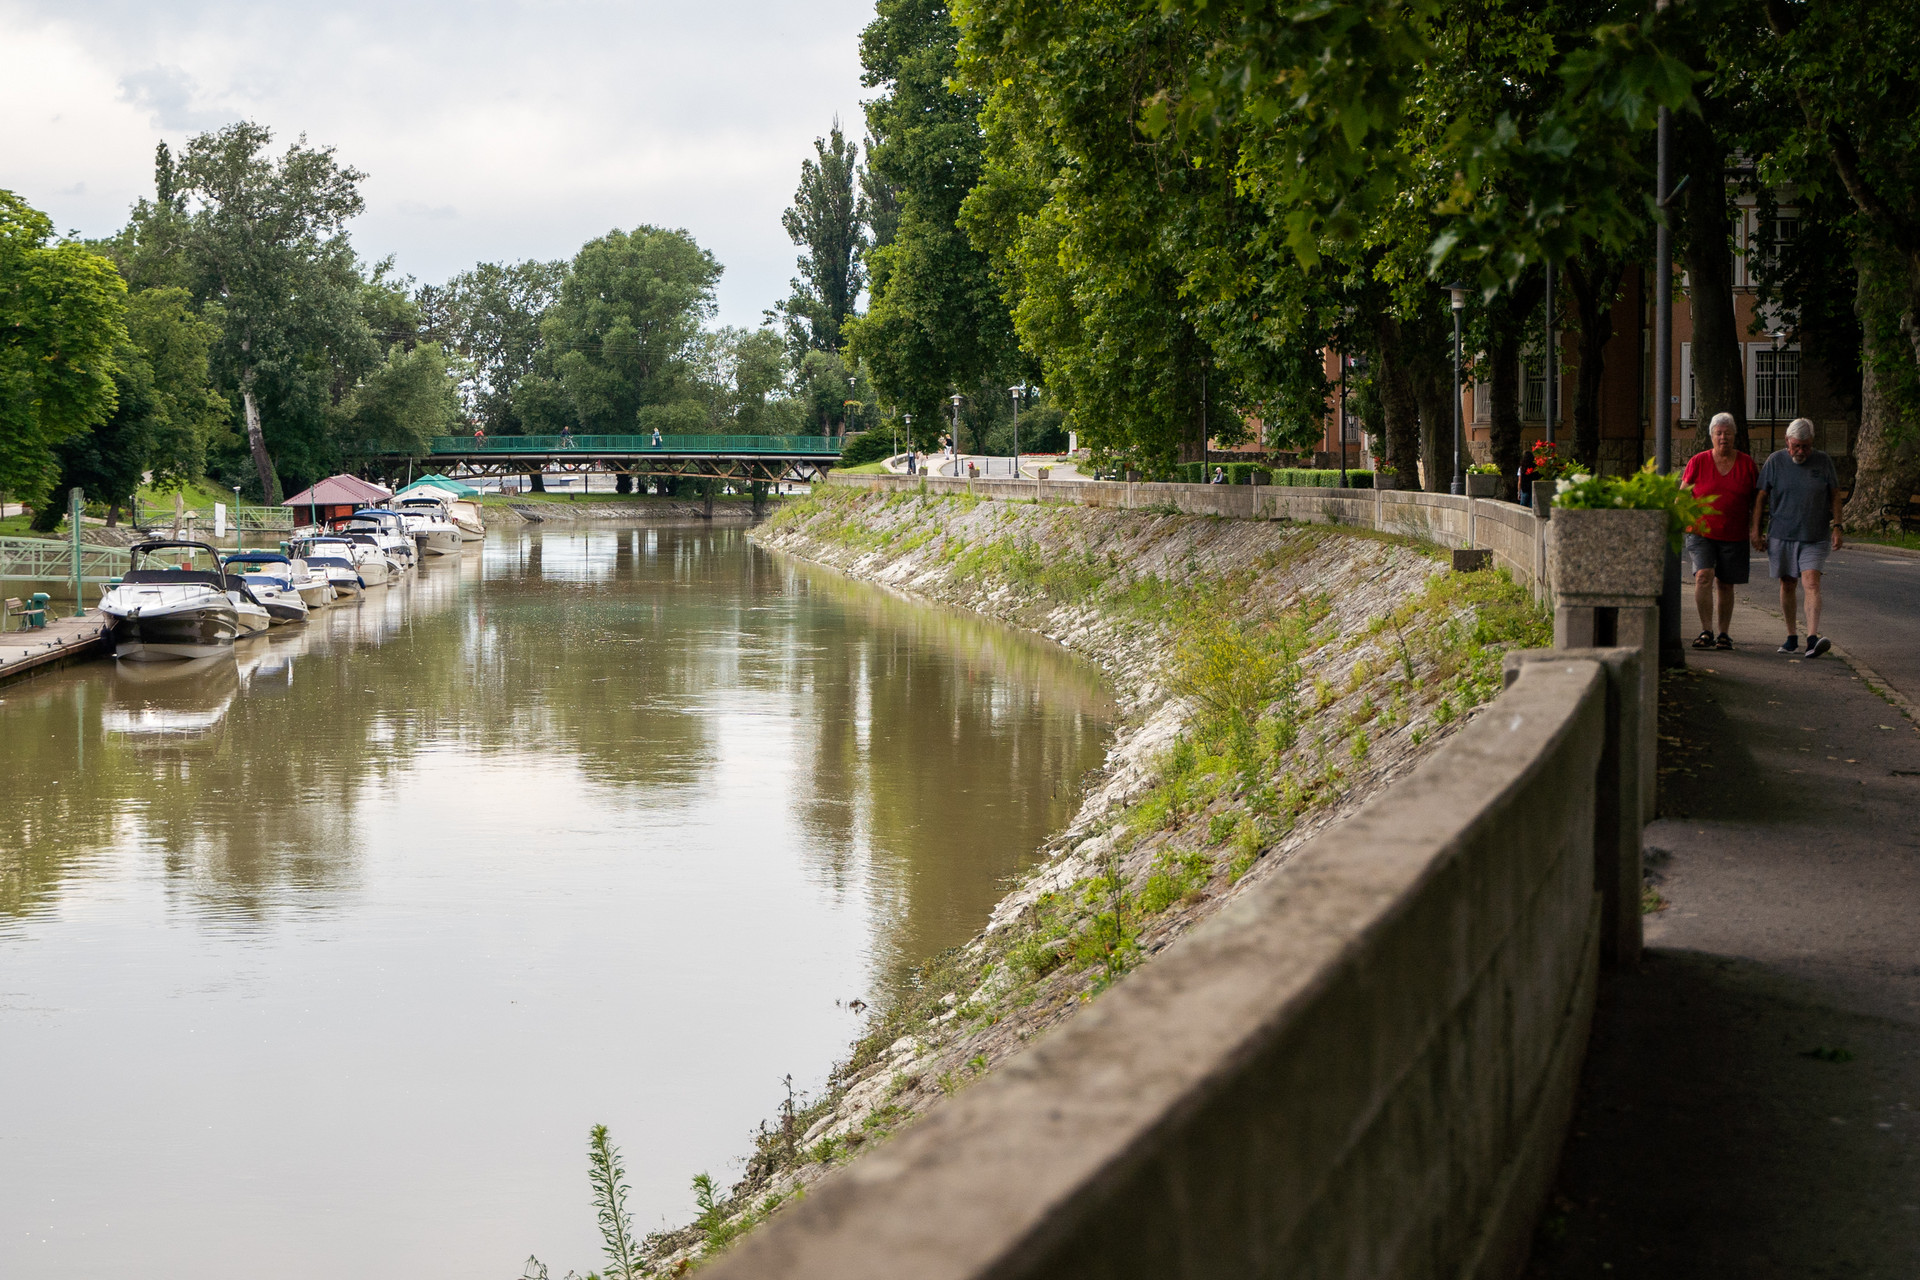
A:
(331, 558)
(389, 531)
(172, 603)
(312, 586)
(466, 518)
(376, 567)
(269, 576)
(427, 521)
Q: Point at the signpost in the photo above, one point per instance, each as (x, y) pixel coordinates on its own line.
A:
(76, 503)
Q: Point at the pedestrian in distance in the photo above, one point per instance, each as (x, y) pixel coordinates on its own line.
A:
(1802, 489)
(1718, 548)
(1219, 476)
(656, 437)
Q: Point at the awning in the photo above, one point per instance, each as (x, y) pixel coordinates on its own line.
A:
(340, 491)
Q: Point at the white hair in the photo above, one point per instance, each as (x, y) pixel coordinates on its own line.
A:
(1723, 420)
(1800, 429)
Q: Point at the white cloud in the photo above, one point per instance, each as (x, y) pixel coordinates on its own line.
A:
(487, 130)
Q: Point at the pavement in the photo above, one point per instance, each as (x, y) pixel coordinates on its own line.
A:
(1751, 1101)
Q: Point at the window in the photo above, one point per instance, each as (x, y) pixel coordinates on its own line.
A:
(1766, 238)
(1533, 393)
(1773, 383)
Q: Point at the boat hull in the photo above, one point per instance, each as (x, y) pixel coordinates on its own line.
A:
(439, 542)
(205, 632)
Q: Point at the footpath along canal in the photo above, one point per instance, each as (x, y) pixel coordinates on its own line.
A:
(322, 961)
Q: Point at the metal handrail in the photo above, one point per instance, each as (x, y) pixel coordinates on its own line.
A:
(45, 560)
(677, 445)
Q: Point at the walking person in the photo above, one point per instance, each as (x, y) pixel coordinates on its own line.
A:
(1717, 548)
(1801, 486)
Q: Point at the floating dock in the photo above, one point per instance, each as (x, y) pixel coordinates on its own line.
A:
(61, 641)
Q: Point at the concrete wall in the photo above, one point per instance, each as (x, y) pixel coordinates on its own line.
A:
(1514, 534)
(1363, 1067)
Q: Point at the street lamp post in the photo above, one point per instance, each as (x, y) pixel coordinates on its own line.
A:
(953, 441)
(1340, 421)
(1459, 418)
(1552, 359)
(1019, 392)
(239, 539)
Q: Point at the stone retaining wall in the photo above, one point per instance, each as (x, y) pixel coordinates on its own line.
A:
(1514, 534)
(1363, 1067)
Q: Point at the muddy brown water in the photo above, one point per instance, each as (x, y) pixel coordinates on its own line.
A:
(323, 960)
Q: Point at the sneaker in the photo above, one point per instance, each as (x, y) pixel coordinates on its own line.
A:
(1817, 645)
(1723, 641)
(1791, 646)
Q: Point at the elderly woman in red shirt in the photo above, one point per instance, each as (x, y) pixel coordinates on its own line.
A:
(1717, 547)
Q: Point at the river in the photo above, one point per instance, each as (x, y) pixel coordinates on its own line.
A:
(322, 962)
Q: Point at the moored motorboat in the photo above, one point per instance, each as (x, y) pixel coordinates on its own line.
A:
(172, 603)
(426, 519)
(248, 612)
(466, 518)
(330, 558)
(269, 576)
(389, 532)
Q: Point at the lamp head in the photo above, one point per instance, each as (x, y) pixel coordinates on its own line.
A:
(1459, 292)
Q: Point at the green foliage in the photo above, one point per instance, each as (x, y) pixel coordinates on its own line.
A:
(618, 343)
(1644, 490)
(62, 318)
(868, 446)
(826, 221)
(610, 1202)
(935, 321)
(490, 316)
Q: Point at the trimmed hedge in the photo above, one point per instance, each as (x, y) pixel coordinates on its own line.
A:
(1317, 478)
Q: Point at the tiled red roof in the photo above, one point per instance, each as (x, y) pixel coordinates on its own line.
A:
(340, 491)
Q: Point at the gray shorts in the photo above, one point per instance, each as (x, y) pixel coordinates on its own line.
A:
(1727, 559)
(1789, 559)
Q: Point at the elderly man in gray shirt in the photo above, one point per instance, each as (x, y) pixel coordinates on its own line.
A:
(1800, 485)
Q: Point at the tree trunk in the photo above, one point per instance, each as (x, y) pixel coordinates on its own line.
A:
(257, 443)
(1594, 281)
(1503, 395)
(536, 483)
(113, 515)
(1887, 451)
(1436, 428)
(1719, 372)
(1397, 406)
(623, 483)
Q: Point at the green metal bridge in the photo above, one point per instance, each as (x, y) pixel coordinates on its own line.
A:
(44, 560)
(743, 457)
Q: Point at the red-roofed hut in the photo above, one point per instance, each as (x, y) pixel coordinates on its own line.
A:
(336, 497)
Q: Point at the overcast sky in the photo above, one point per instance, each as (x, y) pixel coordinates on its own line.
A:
(488, 130)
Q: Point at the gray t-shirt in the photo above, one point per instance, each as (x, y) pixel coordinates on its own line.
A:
(1799, 496)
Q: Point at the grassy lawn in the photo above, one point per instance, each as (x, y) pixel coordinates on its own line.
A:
(865, 469)
(199, 496)
(1910, 541)
(16, 527)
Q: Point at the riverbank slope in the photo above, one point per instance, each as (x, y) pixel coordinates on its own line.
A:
(1272, 677)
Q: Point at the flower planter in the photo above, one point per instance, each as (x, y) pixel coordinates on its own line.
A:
(1607, 557)
(1543, 492)
(1482, 485)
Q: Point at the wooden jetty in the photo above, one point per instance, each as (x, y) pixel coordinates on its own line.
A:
(61, 641)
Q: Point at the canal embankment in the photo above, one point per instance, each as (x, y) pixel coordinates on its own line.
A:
(1273, 677)
(61, 642)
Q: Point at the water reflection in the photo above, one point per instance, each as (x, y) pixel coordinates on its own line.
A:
(583, 825)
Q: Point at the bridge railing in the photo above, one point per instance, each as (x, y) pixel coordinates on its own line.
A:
(675, 445)
(47, 560)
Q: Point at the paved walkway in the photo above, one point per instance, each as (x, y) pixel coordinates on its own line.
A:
(1751, 1103)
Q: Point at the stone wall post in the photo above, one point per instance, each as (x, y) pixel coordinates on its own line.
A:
(1607, 569)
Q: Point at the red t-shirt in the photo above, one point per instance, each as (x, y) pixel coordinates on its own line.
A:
(1732, 494)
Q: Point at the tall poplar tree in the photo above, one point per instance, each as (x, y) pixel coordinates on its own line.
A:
(827, 220)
